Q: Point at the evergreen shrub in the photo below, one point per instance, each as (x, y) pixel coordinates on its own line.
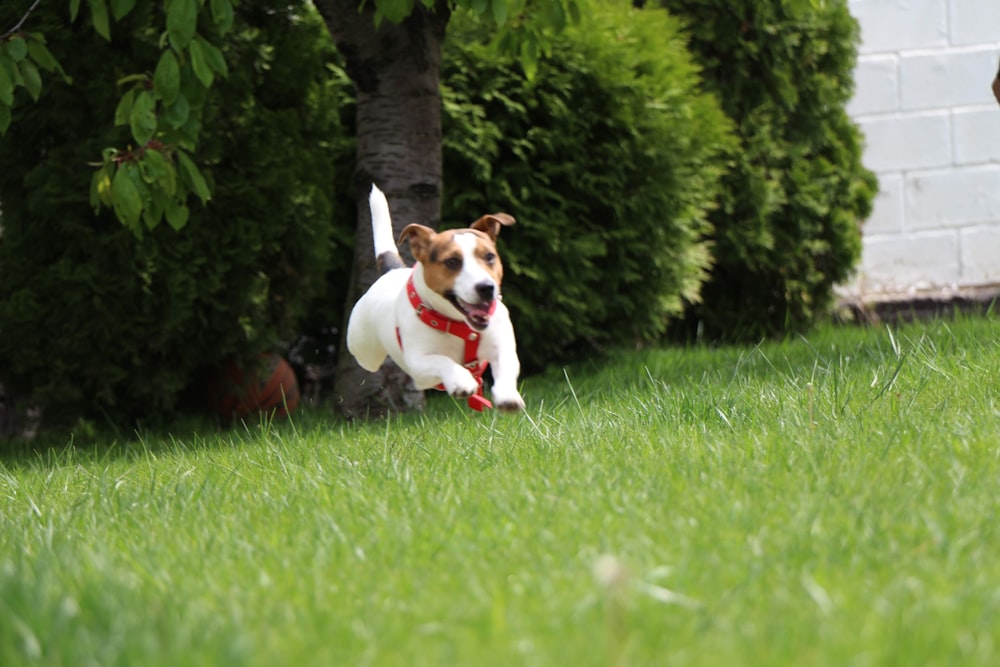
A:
(609, 158)
(787, 229)
(96, 323)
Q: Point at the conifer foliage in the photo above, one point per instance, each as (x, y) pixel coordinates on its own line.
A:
(788, 224)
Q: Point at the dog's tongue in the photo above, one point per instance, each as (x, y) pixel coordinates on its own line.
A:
(478, 314)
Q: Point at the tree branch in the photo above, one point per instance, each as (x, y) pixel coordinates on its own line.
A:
(17, 28)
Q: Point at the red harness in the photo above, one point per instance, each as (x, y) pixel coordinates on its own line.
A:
(459, 328)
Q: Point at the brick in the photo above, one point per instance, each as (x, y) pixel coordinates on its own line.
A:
(980, 255)
(976, 135)
(932, 128)
(941, 199)
(894, 25)
(876, 85)
(974, 21)
(905, 142)
(947, 78)
(887, 209)
(904, 263)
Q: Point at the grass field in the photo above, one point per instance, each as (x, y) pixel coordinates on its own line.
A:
(832, 500)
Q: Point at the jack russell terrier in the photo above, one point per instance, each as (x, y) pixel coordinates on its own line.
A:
(442, 321)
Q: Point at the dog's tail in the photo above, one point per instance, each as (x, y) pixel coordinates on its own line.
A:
(386, 253)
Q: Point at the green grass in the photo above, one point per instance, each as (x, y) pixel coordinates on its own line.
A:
(826, 501)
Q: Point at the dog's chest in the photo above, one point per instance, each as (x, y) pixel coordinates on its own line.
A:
(444, 337)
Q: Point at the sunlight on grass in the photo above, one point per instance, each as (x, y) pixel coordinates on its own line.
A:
(824, 501)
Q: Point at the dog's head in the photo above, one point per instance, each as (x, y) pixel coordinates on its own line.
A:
(462, 265)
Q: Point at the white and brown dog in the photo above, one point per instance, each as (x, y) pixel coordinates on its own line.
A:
(441, 321)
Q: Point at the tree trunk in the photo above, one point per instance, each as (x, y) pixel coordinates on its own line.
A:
(396, 70)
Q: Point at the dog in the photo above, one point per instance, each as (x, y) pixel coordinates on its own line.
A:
(442, 321)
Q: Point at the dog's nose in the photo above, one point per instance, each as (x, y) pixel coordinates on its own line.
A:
(485, 291)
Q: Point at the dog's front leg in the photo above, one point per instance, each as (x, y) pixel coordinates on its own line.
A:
(432, 369)
(506, 397)
(506, 369)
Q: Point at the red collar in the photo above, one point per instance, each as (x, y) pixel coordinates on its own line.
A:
(460, 329)
(436, 320)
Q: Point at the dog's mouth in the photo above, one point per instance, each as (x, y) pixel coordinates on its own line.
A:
(476, 314)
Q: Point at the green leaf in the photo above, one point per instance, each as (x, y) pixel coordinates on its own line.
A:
(74, 9)
(42, 56)
(574, 12)
(135, 175)
(178, 113)
(168, 182)
(195, 92)
(6, 81)
(200, 64)
(555, 15)
(100, 186)
(17, 48)
(177, 213)
(222, 14)
(4, 118)
(134, 78)
(32, 79)
(499, 11)
(99, 15)
(152, 166)
(479, 6)
(125, 197)
(167, 78)
(192, 176)
(120, 8)
(152, 214)
(394, 10)
(124, 109)
(529, 56)
(142, 119)
(188, 134)
(182, 22)
(213, 56)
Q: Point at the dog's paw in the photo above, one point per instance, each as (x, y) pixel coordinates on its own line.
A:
(462, 384)
(507, 402)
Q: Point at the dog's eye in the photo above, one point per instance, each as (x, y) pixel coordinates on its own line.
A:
(453, 263)
(489, 258)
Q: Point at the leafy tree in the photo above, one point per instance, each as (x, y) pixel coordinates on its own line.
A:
(95, 321)
(148, 181)
(22, 56)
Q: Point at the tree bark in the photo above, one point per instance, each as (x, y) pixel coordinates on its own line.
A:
(396, 71)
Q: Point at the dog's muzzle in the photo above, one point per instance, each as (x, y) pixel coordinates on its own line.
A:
(477, 314)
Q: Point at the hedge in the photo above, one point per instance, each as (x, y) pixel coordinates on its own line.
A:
(609, 158)
(788, 224)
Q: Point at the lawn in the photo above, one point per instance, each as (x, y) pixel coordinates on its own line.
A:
(829, 500)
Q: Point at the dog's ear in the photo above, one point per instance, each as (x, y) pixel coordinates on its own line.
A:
(420, 240)
(490, 224)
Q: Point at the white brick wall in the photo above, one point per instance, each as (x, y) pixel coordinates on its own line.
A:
(932, 131)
